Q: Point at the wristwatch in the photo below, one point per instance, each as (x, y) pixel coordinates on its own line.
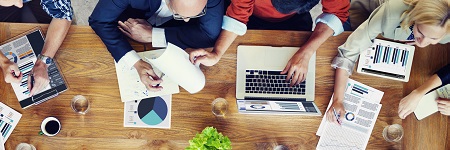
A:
(47, 60)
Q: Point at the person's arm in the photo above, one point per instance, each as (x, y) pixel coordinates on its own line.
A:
(409, 103)
(234, 24)
(349, 52)
(56, 34)
(297, 66)
(8, 68)
(340, 83)
(335, 13)
(104, 21)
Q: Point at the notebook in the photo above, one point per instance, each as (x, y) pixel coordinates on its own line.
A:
(261, 89)
(387, 60)
(23, 50)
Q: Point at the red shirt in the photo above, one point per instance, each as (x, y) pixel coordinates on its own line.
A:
(241, 10)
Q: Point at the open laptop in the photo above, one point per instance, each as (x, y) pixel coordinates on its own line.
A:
(261, 89)
(387, 60)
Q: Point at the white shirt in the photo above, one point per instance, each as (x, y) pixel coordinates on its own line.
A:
(161, 16)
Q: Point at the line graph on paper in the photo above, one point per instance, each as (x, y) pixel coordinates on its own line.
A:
(337, 138)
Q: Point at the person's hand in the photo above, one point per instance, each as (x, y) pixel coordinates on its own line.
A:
(444, 106)
(137, 29)
(7, 3)
(338, 107)
(409, 103)
(148, 76)
(201, 56)
(40, 75)
(8, 68)
(297, 67)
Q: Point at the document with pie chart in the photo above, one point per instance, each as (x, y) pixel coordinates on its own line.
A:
(151, 112)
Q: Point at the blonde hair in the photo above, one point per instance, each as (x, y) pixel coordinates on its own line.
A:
(430, 12)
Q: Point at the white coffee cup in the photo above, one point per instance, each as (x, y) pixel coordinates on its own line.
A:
(50, 126)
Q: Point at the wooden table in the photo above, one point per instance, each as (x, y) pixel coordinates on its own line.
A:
(89, 70)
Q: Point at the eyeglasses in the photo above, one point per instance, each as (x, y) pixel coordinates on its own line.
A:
(180, 17)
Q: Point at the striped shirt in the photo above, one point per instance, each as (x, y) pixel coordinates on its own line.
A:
(61, 9)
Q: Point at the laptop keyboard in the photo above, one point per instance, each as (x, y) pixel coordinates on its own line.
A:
(270, 82)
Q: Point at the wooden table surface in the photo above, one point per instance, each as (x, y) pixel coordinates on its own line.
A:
(89, 70)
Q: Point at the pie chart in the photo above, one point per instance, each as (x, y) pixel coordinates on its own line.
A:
(11, 56)
(152, 111)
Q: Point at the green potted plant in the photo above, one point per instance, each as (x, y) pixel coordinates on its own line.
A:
(209, 139)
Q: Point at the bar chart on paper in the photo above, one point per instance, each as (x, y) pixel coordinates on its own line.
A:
(8, 120)
(387, 59)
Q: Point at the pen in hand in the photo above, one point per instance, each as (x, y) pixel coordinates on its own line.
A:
(338, 116)
(162, 75)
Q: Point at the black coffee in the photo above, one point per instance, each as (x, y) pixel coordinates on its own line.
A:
(52, 127)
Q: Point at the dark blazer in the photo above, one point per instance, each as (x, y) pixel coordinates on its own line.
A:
(104, 18)
(444, 74)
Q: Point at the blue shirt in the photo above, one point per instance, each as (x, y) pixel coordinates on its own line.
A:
(61, 9)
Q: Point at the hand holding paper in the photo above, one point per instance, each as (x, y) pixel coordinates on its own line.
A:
(175, 64)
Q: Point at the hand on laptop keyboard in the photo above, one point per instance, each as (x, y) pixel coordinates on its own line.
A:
(297, 68)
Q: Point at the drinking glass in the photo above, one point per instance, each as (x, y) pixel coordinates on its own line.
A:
(80, 104)
(393, 133)
(25, 146)
(219, 107)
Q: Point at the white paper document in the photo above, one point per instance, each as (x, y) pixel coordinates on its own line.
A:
(130, 85)
(428, 105)
(362, 107)
(175, 63)
(9, 118)
(154, 112)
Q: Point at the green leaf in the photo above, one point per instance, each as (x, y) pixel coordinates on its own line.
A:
(209, 139)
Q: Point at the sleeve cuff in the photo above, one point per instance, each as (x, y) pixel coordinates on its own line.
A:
(343, 63)
(232, 25)
(331, 21)
(158, 37)
(130, 58)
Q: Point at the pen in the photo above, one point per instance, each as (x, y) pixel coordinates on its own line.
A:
(162, 75)
(337, 116)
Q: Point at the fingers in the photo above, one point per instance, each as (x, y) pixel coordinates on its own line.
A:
(19, 3)
(194, 54)
(39, 84)
(289, 75)
(404, 113)
(200, 60)
(286, 69)
(124, 32)
(294, 78)
(124, 26)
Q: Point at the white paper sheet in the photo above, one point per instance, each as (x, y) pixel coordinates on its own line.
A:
(152, 112)
(131, 87)
(428, 105)
(174, 62)
(9, 118)
(362, 107)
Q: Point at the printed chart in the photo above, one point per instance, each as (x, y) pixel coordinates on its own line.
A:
(154, 112)
(8, 121)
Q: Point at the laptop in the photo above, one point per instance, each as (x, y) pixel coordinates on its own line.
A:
(23, 50)
(387, 60)
(261, 89)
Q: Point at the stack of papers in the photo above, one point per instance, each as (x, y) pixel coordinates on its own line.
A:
(362, 106)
